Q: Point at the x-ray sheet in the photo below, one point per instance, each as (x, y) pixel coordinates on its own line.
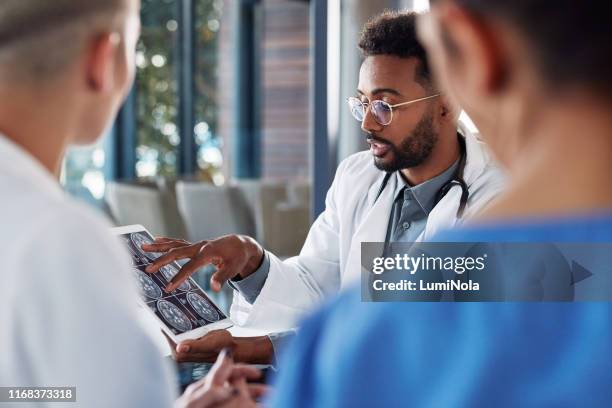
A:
(183, 310)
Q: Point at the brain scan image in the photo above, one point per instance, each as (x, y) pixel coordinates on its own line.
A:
(180, 311)
(168, 272)
(202, 307)
(147, 286)
(174, 316)
(138, 240)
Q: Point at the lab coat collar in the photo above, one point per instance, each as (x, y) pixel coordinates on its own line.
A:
(20, 164)
(373, 227)
(476, 156)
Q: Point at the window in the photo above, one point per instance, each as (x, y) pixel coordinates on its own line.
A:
(85, 171)
(208, 18)
(157, 136)
(157, 88)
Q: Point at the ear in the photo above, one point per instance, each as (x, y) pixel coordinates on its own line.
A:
(100, 62)
(473, 49)
(449, 110)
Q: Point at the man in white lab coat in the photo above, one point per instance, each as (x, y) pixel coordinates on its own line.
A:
(67, 314)
(424, 172)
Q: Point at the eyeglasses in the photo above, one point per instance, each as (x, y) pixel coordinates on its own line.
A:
(381, 110)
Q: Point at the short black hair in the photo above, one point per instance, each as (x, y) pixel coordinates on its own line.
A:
(394, 33)
(569, 40)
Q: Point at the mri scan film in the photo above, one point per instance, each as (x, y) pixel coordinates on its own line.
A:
(185, 309)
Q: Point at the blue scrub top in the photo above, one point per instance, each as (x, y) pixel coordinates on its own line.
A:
(353, 354)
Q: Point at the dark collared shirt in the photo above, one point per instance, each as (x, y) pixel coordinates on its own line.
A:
(412, 205)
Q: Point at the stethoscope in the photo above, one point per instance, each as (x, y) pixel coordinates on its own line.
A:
(456, 180)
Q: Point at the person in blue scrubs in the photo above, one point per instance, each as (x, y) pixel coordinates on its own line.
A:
(534, 76)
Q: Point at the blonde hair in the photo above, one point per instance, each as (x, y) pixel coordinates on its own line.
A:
(38, 38)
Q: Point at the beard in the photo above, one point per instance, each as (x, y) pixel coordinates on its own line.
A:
(413, 150)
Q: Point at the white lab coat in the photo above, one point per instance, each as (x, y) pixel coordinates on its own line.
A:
(68, 314)
(330, 258)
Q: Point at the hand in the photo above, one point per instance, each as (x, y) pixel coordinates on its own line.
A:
(252, 350)
(206, 349)
(232, 255)
(224, 386)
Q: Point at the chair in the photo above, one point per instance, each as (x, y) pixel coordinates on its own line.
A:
(282, 215)
(145, 204)
(290, 226)
(262, 197)
(211, 211)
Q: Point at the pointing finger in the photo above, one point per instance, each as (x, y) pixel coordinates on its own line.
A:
(171, 256)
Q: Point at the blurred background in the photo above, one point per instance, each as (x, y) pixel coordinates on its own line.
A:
(237, 119)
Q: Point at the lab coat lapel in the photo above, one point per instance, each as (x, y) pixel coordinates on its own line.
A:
(373, 228)
(444, 214)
